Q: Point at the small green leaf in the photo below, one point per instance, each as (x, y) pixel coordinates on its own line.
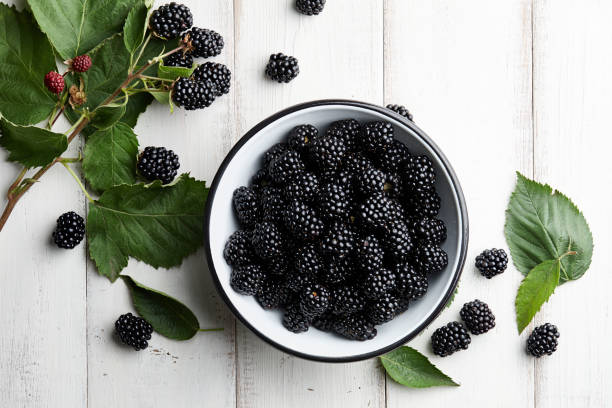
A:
(543, 224)
(536, 289)
(156, 224)
(107, 115)
(110, 157)
(31, 146)
(452, 298)
(412, 369)
(25, 57)
(168, 316)
(162, 97)
(135, 27)
(174, 72)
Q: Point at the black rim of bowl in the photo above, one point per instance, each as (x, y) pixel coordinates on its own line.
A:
(456, 187)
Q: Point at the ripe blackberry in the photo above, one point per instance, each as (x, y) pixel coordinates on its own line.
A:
(310, 7)
(238, 249)
(372, 213)
(338, 270)
(217, 74)
(294, 320)
(419, 173)
(348, 131)
(355, 327)
(282, 68)
(392, 159)
(273, 152)
(543, 340)
(267, 240)
(307, 261)
(492, 262)
(69, 231)
(260, 180)
(382, 309)
(246, 206)
(303, 187)
(170, 20)
(302, 221)
(301, 137)
(157, 163)
(347, 300)
(450, 338)
(327, 153)
(54, 82)
(357, 163)
(401, 110)
(477, 317)
(80, 63)
(424, 203)
(333, 202)
(394, 186)
(429, 230)
(395, 211)
(403, 303)
(369, 254)
(247, 279)
(278, 265)
(397, 242)
(430, 258)
(377, 283)
(410, 283)
(377, 136)
(371, 181)
(286, 166)
(338, 242)
(273, 294)
(325, 322)
(179, 59)
(202, 43)
(271, 204)
(133, 331)
(314, 300)
(192, 95)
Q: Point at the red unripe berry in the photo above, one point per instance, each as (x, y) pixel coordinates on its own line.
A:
(81, 63)
(54, 82)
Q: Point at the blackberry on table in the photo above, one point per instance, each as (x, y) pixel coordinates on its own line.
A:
(267, 240)
(246, 206)
(301, 137)
(238, 249)
(179, 59)
(338, 242)
(303, 187)
(133, 331)
(419, 173)
(347, 130)
(327, 153)
(69, 231)
(355, 327)
(450, 338)
(286, 166)
(282, 68)
(371, 181)
(397, 242)
(302, 221)
(430, 258)
(377, 283)
(314, 300)
(272, 204)
(333, 202)
(424, 203)
(192, 95)
(382, 309)
(543, 340)
(477, 317)
(170, 20)
(202, 43)
(492, 262)
(157, 163)
(54, 82)
(372, 213)
(401, 110)
(377, 136)
(274, 293)
(429, 230)
(369, 253)
(409, 282)
(393, 158)
(310, 7)
(295, 320)
(247, 279)
(217, 74)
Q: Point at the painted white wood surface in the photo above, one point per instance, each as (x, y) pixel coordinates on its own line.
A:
(500, 86)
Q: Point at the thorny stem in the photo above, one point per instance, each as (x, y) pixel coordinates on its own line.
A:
(78, 180)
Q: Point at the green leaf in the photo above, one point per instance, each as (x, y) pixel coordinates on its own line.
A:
(156, 224)
(168, 316)
(75, 27)
(412, 369)
(107, 115)
(25, 57)
(452, 298)
(31, 146)
(175, 72)
(536, 289)
(110, 157)
(542, 225)
(162, 97)
(135, 27)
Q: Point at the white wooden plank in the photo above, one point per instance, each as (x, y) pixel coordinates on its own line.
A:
(201, 371)
(572, 95)
(464, 70)
(340, 56)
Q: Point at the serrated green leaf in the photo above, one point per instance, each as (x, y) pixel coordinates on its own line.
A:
(25, 57)
(535, 289)
(31, 146)
(168, 316)
(75, 27)
(156, 224)
(412, 369)
(110, 157)
(135, 27)
(175, 72)
(543, 225)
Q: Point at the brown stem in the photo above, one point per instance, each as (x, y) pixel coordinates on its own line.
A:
(13, 186)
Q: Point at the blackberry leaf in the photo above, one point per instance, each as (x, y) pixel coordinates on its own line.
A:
(174, 72)
(412, 369)
(536, 289)
(135, 27)
(29, 145)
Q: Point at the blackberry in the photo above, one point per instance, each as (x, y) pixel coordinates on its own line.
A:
(401, 110)
(333, 202)
(296, 281)
(397, 241)
(430, 258)
(294, 320)
(347, 300)
(302, 221)
(393, 158)
(348, 131)
(307, 261)
(377, 136)
(273, 294)
(192, 95)
(54, 82)
(327, 153)
(377, 283)
(133, 331)
(260, 180)
(247, 279)
(371, 181)
(267, 240)
(395, 211)
(372, 213)
(302, 136)
(357, 163)
(217, 74)
(286, 166)
(282, 68)
(179, 59)
(303, 187)
(355, 327)
(429, 230)
(419, 173)
(338, 270)
(369, 254)
(403, 303)
(477, 317)
(157, 163)
(450, 338)
(492, 262)
(310, 7)
(202, 43)
(271, 204)
(382, 309)
(80, 63)
(314, 300)
(543, 340)
(246, 206)
(338, 242)
(69, 231)
(278, 265)
(424, 203)
(274, 152)
(170, 20)
(238, 249)
(410, 283)
(325, 322)
(393, 186)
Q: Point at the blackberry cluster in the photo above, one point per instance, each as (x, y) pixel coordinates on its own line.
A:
(543, 340)
(477, 317)
(324, 238)
(133, 331)
(310, 7)
(282, 68)
(157, 163)
(70, 230)
(492, 262)
(450, 338)
(170, 20)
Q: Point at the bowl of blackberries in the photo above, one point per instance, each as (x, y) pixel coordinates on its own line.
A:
(336, 230)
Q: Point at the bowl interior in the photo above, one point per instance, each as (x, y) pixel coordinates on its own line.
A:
(245, 160)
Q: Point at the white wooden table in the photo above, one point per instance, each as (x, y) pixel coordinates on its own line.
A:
(500, 85)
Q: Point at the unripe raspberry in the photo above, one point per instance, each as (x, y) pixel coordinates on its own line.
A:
(81, 63)
(54, 82)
